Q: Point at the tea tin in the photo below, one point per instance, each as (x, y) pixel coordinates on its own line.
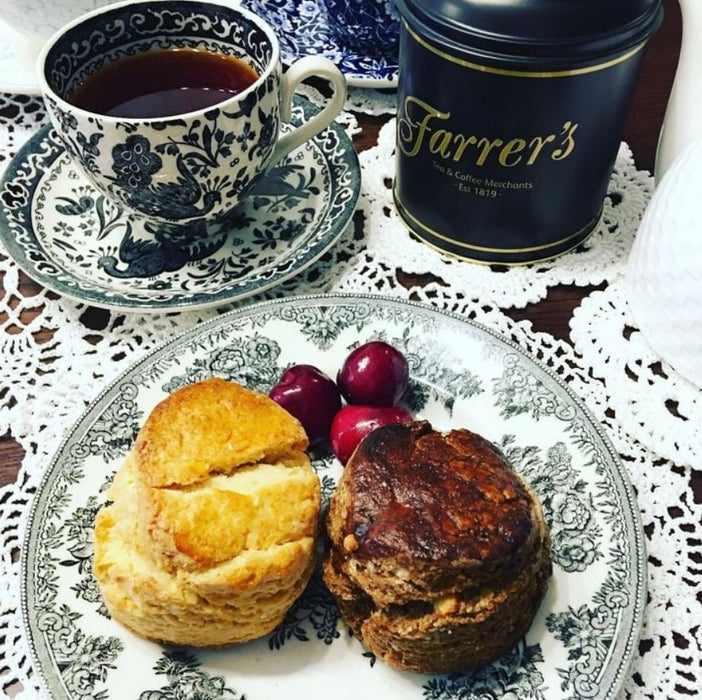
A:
(509, 119)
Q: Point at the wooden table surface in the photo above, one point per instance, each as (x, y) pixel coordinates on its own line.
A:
(551, 315)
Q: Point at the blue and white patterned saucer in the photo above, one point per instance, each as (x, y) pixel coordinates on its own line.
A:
(302, 29)
(62, 232)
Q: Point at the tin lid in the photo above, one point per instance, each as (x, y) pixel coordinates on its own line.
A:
(515, 31)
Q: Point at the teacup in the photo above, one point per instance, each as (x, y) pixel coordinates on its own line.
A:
(371, 26)
(185, 169)
(39, 19)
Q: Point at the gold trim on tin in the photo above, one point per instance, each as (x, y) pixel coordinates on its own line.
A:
(485, 249)
(520, 73)
(504, 263)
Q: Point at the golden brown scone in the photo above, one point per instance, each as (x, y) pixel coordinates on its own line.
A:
(217, 552)
(213, 427)
(438, 553)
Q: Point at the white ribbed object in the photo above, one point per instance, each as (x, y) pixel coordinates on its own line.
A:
(664, 272)
(682, 121)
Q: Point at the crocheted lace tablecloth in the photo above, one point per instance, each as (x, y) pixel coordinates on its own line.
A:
(652, 415)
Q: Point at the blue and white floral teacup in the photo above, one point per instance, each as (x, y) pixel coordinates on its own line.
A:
(370, 26)
(179, 172)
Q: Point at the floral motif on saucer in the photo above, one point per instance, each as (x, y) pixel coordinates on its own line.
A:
(74, 240)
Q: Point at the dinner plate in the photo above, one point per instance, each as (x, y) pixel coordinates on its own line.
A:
(66, 235)
(462, 375)
(302, 29)
(18, 55)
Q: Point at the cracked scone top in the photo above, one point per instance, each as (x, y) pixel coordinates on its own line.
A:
(210, 534)
(439, 556)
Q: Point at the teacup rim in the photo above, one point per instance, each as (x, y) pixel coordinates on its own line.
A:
(47, 91)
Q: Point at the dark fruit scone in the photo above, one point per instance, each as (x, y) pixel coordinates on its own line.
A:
(438, 553)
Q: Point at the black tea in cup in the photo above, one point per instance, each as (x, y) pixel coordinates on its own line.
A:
(163, 82)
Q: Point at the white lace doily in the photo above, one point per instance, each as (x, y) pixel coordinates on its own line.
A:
(652, 416)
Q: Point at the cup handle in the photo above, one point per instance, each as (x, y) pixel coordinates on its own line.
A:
(308, 67)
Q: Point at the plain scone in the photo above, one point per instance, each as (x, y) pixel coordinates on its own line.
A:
(210, 534)
(438, 553)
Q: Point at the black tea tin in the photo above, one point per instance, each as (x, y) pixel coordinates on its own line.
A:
(509, 119)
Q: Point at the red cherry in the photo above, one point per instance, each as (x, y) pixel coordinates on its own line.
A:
(352, 423)
(374, 374)
(309, 395)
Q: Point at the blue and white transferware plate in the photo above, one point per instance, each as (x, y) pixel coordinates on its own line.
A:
(462, 375)
(302, 29)
(66, 235)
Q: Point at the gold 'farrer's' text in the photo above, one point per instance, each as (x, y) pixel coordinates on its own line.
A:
(421, 126)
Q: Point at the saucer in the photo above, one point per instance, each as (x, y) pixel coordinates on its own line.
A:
(18, 54)
(307, 32)
(66, 235)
